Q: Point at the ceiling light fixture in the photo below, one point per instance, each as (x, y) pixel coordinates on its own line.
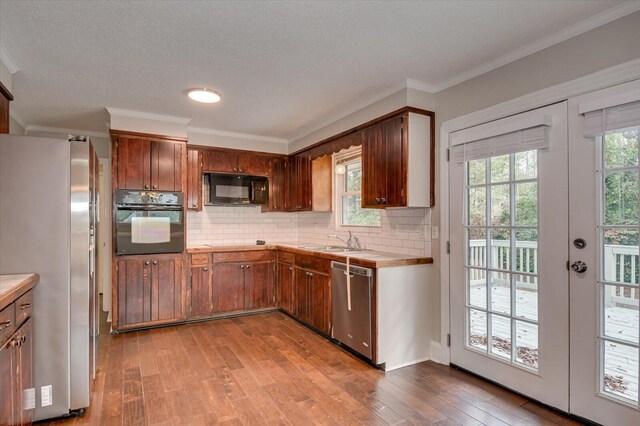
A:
(204, 95)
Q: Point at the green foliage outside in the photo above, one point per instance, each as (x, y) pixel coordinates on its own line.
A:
(352, 212)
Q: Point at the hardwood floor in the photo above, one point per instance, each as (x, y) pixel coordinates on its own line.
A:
(268, 369)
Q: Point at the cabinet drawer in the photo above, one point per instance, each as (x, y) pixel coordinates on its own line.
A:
(313, 263)
(243, 256)
(24, 307)
(285, 257)
(199, 259)
(7, 323)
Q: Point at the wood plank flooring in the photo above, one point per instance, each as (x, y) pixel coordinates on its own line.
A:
(268, 369)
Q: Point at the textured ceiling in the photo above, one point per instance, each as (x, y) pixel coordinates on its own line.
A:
(281, 66)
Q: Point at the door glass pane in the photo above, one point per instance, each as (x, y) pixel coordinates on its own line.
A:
(478, 287)
(621, 198)
(621, 370)
(500, 292)
(501, 336)
(621, 313)
(503, 274)
(477, 329)
(527, 344)
(620, 255)
(500, 207)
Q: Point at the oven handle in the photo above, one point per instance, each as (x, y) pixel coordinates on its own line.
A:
(149, 208)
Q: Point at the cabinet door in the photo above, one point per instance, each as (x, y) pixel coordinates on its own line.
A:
(133, 163)
(8, 381)
(393, 163)
(201, 291)
(257, 165)
(25, 362)
(299, 188)
(221, 161)
(292, 183)
(194, 180)
(277, 185)
(134, 291)
(285, 287)
(372, 174)
(301, 292)
(319, 301)
(259, 285)
(166, 165)
(305, 187)
(228, 287)
(166, 288)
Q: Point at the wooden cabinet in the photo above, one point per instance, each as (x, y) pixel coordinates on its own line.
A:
(146, 163)
(397, 161)
(277, 180)
(194, 179)
(312, 292)
(299, 183)
(5, 98)
(16, 362)
(148, 290)
(233, 161)
(322, 184)
(285, 284)
(231, 281)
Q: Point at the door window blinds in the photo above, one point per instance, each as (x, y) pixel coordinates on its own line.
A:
(599, 122)
(508, 143)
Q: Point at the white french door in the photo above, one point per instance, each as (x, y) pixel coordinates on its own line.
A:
(509, 226)
(604, 212)
(545, 254)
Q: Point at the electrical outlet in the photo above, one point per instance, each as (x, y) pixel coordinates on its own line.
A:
(46, 395)
(435, 232)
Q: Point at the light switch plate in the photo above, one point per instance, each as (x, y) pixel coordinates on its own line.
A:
(46, 395)
(435, 232)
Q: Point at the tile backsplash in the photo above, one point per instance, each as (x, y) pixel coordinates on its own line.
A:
(406, 231)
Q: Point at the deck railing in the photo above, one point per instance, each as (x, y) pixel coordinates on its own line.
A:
(622, 264)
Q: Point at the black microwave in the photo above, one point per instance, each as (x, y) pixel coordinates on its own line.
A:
(243, 190)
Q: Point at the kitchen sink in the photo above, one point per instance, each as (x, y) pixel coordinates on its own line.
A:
(331, 249)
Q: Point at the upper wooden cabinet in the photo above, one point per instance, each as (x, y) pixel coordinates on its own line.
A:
(397, 162)
(299, 183)
(194, 179)
(322, 184)
(146, 162)
(240, 162)
(5, 98)
(277, 186)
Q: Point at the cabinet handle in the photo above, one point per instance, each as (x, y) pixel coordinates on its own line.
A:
(205, 269)
(146, 262)
(146, 187)
(290, 268)
(5, 324)
(241, 266)
(378, 200)
(155, 186)
(383, 200)
(25, 306)
(310, 274)
(194, 205)
(248, 266)
(155, 262)
(23, 339)
(235, 169)
(14, 343)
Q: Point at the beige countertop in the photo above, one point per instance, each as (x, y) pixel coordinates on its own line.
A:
(370, 258)
(14, 286)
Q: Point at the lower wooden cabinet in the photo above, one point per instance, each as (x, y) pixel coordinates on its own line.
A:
(148, 290)
(228, 282)
(16, 376)
(285, 287)
(312, 293)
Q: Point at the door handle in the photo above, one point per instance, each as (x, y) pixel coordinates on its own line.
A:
(579, 266)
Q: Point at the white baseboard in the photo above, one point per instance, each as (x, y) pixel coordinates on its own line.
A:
(436, 353)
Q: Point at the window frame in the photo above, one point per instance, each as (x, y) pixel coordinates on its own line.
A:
(340, 183)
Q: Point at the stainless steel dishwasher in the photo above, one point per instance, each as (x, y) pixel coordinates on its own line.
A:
(351, 307)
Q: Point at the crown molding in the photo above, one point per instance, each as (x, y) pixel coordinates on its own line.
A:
(8, 61)
(215, 132)
(419, 85)
(574, 30)
(47, 129)
(147, 115)
(17, 119)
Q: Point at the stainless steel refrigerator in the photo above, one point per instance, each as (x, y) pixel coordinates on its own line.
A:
(48, 225)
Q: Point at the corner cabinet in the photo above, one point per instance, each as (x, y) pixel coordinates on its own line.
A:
(299, 183)
(148, 162)
(148, 290)
(397, 162)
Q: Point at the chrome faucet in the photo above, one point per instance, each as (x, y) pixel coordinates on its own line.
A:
(350, 242)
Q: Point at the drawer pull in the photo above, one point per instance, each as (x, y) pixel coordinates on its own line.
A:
(25, 306)
(155, 262)
(5, 324)
(205, 269)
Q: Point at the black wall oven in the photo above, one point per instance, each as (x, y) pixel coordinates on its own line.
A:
(149, 222)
